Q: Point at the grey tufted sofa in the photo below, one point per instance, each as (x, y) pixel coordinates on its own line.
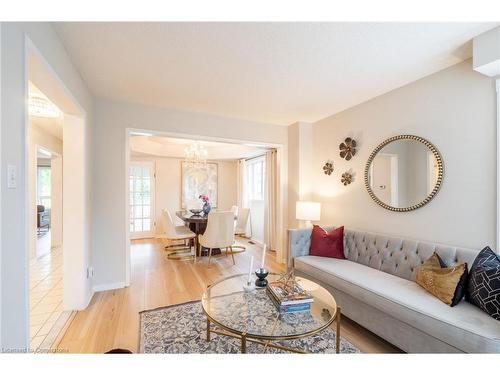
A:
(375, 287)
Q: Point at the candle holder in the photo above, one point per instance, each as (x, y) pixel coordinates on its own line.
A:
(261, 273)
(248, 287)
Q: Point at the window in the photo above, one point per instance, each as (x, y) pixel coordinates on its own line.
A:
(255, 169)
(44, 186)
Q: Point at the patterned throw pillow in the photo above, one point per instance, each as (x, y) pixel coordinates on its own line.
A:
(483, 289)
(446, 283)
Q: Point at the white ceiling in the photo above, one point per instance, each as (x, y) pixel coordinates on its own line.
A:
(175, 148)
(51, 125)
(271, 72)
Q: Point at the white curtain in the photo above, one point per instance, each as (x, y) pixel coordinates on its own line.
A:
(242, 199)
(241, 193)
(271, 236)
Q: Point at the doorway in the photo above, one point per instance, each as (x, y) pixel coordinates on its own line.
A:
(45, 180)
(229, 166)
(55, 130)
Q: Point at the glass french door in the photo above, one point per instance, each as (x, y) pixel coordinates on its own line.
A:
(141, 187)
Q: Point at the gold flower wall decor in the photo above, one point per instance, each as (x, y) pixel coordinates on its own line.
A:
(347, 148)
(346, 178)
(328, 167)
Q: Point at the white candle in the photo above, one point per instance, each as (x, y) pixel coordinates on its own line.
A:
(263, 256)
(250, 270)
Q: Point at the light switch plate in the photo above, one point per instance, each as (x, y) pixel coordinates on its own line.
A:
(11, 176)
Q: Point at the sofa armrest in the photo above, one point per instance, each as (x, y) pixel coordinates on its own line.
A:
(299, 242)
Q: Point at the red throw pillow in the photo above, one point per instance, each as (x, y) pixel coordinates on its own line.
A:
(324, 244)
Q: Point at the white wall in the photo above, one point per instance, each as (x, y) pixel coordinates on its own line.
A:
(168, 185)
(76, 242)
(37, 137)
(112, 120)
(14, 151)
(300, 159)
(455, 110)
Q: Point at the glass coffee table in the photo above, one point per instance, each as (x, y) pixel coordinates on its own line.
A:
(252, 317)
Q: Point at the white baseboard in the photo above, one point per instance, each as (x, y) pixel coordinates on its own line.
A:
(110, 286)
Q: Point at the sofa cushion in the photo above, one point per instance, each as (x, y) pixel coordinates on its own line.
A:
(464, 326)
(327, 244)
(484, 282)
(446, 283)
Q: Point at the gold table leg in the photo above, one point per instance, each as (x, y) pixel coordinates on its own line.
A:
(337, 334)
(267, 343)
(208, 329)
(243, 343)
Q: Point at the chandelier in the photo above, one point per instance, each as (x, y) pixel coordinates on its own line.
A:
(196, 155)
(40, 106)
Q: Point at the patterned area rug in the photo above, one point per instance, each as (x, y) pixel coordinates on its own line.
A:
(182, 329)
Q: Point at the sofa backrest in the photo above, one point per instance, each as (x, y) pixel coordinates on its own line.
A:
(395, 255)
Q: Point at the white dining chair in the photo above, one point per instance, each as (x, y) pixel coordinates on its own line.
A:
(242, 221)
(219, 233)
(174, 233)
(240, 227)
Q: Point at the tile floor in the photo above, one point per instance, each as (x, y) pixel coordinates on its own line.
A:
(46, 296)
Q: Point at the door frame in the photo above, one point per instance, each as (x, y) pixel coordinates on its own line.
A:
(76, 198)
(33, 229)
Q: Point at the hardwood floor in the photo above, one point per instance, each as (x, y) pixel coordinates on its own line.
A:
(112, 319)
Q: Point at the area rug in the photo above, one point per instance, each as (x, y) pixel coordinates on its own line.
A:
(181, 329)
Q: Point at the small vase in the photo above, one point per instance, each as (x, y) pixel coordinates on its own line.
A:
(206, 208)
(261, 274)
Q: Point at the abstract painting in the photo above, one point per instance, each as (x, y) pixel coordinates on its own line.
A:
(198, 179)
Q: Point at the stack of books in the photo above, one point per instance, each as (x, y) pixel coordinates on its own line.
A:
(289, 297)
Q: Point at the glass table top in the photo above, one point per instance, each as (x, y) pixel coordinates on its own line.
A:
(227, 305)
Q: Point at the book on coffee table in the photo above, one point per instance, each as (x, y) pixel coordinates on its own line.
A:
(296, 308)
(288, 294)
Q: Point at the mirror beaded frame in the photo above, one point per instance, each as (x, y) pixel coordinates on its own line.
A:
(432, 194)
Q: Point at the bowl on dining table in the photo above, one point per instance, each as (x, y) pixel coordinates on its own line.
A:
(195, 211)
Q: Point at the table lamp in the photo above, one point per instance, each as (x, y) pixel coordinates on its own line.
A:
(308, 211)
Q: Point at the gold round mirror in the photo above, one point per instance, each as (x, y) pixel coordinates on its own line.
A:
(404, 173)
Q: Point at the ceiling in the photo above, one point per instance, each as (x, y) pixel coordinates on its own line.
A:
(53, 126)
(50, 125)
(175, 148)
(270, 72)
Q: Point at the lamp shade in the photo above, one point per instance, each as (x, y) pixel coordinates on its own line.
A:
(308, 210)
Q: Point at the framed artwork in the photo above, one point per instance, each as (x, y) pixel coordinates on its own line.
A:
(196, 180)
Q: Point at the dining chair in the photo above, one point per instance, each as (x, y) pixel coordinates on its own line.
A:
(240, 228)
(175, 233)
(242, 222)
(219, 233)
